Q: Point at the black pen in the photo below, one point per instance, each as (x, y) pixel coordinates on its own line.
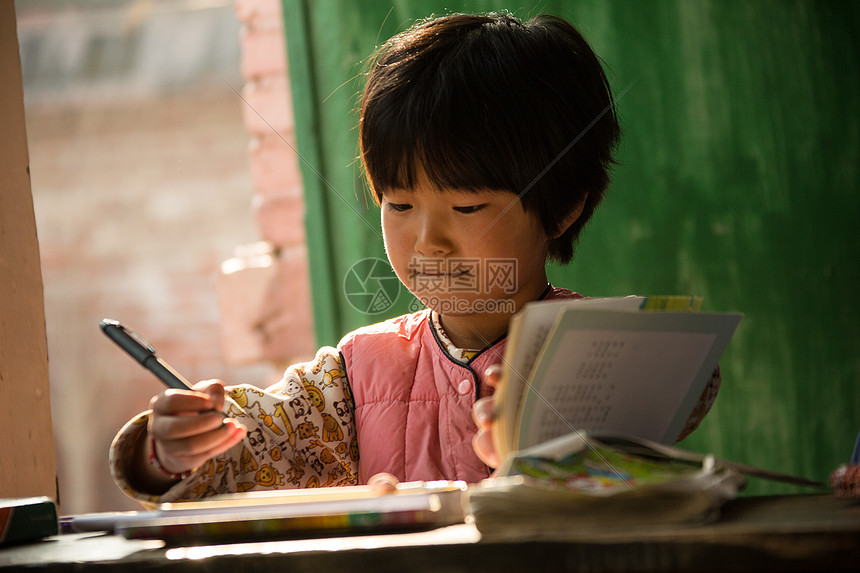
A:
(143, 352)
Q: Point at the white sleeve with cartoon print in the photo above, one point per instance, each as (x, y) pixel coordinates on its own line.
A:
(301, 433)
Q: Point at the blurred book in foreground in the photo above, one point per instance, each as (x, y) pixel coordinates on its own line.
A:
(27, 519)
(581, 485)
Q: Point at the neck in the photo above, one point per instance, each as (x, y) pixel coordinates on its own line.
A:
(469, 334)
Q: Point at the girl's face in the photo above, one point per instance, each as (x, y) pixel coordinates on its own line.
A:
(464, 253)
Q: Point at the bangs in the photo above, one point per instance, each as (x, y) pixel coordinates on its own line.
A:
(453, 116)
(402, 159)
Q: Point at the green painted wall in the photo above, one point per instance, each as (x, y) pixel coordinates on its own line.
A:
(737, 181)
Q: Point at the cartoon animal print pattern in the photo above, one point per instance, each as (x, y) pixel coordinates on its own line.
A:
(301, 433)
(461, 354)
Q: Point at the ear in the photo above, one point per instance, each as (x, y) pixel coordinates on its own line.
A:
(571, 218)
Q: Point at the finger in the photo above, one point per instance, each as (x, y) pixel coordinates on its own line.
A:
(187, 453)
(236, 432)
(382, 483)
(175, 402)
(184, 425)
(483, 412)
(493, 374)
(482, 443)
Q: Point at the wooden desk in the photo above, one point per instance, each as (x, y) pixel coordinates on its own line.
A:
(783, 533)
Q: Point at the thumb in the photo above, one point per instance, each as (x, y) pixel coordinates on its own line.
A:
(214, 389)
(383, 483)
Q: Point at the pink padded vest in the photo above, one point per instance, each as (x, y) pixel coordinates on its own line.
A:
(413, 402)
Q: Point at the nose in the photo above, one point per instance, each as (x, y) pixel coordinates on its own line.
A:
(432, 240)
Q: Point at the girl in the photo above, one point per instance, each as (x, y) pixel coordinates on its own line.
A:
(487, 143)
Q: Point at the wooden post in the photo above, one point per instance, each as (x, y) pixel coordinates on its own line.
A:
(28, 464)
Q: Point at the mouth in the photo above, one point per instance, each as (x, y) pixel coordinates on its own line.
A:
(441, 271)
(417, 273)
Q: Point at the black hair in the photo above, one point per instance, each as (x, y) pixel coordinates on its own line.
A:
(490, 102)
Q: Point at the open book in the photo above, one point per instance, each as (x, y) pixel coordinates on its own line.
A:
(634, 366)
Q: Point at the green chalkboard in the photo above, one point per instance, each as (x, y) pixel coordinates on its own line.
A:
(737, 180)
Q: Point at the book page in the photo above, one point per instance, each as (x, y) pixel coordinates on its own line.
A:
(538, 319)
(633, 373)
(526, 338)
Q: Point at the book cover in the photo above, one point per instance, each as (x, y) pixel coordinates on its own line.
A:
(283, 514)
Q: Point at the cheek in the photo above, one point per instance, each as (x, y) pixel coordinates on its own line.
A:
(393, 237)
(525, 232)
(395, 249)
(387, 231)
(520, 240)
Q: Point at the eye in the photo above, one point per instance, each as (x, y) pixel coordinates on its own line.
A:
(399, 207)
(467, 209)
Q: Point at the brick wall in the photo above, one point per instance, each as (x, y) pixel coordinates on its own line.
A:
(264, 291)
(144, 198)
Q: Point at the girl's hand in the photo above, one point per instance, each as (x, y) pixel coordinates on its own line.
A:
(483, 415)
(188, 429)
(382, 483)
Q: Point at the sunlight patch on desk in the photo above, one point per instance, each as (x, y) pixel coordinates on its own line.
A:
(453, 534)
